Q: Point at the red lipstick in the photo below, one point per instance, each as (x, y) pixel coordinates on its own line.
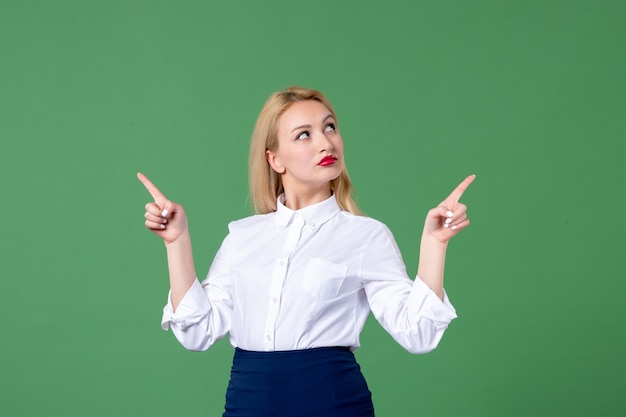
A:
(327, 160)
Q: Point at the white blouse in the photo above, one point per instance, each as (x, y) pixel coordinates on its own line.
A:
(308, 278)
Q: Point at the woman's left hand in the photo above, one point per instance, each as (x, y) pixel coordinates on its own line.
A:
(449, 217)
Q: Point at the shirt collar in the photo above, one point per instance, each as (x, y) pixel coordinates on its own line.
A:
(314, 215)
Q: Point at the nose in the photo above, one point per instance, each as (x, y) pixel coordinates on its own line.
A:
(325, 144)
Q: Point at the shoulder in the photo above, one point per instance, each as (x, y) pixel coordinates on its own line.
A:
(376, 238)
(366, 226)
(361, 221)
(251, 222)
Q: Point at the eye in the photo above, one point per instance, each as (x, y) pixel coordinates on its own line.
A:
(330, 127)
(303, 135)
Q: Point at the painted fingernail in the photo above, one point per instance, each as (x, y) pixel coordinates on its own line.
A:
(454, 227)
(448, 221)
(449, 213)
(164, 221)
(446, 225)
(162, 226)
(164, 213)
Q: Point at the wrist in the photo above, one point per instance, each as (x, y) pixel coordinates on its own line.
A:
(182, 241)
(432, 242)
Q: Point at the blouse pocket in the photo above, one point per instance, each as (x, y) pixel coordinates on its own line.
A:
(323, 279)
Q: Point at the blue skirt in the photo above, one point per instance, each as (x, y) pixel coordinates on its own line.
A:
(297, 383)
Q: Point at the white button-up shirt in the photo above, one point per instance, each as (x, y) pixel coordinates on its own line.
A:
(307, 278)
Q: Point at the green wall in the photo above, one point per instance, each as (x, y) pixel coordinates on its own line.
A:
(529, 95)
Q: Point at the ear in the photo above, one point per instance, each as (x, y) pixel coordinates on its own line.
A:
(272, 159)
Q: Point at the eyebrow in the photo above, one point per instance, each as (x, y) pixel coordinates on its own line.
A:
(330, 116)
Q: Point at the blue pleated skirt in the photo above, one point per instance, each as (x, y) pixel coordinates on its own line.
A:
(320, 382)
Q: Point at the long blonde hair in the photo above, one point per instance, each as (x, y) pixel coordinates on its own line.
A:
(265, 183)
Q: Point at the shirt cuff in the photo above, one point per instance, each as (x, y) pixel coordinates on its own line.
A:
(192, 308)
(428, 305)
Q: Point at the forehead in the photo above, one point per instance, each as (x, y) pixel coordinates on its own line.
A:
(300, 113)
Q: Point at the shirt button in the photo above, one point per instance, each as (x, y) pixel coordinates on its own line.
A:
(313, 225)
(282, 262)
(268, 337)
(274, 300)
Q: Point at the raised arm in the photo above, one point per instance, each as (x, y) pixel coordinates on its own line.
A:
(169, 221)
(442, 223)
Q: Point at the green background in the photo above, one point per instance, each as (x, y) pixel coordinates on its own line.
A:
(529, 95)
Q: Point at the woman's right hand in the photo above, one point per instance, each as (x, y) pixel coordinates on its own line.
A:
(163, 217)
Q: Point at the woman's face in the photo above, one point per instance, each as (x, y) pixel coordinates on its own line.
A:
(310, 149)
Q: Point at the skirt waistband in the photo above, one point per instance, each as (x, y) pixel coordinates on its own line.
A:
(291, 359)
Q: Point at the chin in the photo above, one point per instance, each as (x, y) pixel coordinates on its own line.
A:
(334, 177)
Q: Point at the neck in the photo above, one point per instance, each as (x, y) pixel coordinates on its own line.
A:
(297, 200)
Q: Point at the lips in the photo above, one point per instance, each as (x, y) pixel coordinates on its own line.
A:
(327, 160)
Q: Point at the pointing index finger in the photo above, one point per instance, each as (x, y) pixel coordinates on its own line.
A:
(156, 194)
(455, 195)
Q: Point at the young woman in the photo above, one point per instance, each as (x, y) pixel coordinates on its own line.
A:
(294, 284)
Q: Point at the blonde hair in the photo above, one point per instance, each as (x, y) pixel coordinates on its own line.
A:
(265, 183)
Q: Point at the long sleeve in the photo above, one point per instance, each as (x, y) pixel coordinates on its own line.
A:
(408, 310)
(205, 312)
